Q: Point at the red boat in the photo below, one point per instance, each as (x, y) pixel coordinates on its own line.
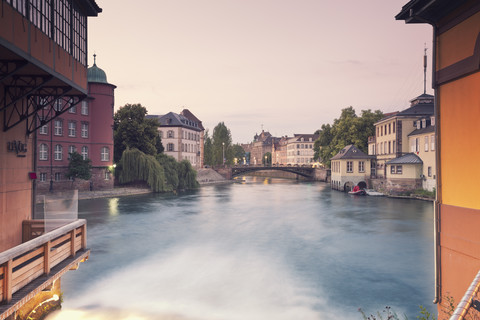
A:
(357, 191)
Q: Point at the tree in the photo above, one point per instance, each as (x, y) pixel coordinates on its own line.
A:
(267, 159)
(138, 166)
(207, 149)
(133, 130)
(238, 153)
(170, 167)
(187, 177)
(79, 168)
(222, 141)
(347, 129)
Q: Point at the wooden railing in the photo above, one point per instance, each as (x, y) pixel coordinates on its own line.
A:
(26, 262)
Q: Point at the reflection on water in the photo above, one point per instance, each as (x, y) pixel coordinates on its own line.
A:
(260, 248)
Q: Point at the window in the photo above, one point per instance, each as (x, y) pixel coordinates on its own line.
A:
(349, 166)
(43, 177)
(107, 175)
(105, 154)
(389, 147)
(429, 171)
(417, 144)
(58, 152)
(85, 152)
(58, 127)
(72, 129)
(170, 147)
(57, 105)
(58, 176)
(392, 169)
(361, 166)
(84, 109)
(84, 130)
(73, 109)
(170, 134)
(71, 149)
(432, 142)
(426, 144)
(43, 152)
(399, 169)
(160, 134)
(43, 129)
(389, 128)
(393, 127)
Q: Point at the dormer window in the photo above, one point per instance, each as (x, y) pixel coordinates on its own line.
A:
(424, 123)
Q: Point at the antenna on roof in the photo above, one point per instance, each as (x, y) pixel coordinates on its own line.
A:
(425, 70)
(94, 59)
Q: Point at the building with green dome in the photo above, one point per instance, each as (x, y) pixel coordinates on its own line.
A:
(86, 128)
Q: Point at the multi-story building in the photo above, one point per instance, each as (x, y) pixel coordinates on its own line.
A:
(43, 73)
(300, 149)
(86, 128)
(456, 79)
(182, 136)
(422, 143)
(261, 145)
(279, 151)
(391, 132)
(350, 167)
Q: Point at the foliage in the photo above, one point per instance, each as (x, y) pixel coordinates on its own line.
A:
(79, 168)
(346, 130)
(187, 177)
(222, 142)
(238, 152)
(424, 193)
(207, 149)
(169, 165)
(132, 130)
(138, 166)
(267, 159)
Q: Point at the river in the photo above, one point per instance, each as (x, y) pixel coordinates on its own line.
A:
(260, 248)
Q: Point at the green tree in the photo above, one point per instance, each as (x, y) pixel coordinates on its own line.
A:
(267, 159)
(79, 168)
(347, 129)
(138, 166)
(207, 149)
(169, 165)
(222, 142)
(187, 176)
(133, 130)
(238, 153)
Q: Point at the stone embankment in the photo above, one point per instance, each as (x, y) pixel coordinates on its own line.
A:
(209, 176)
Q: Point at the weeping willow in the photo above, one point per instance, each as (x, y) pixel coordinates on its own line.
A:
(137, 166)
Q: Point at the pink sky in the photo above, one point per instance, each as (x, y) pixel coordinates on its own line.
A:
(289, 65)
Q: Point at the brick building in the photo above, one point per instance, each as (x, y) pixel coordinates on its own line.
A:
(87, 129)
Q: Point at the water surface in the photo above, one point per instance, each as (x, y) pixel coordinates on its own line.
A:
(257, 249)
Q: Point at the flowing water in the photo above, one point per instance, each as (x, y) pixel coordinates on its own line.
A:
(260, 248)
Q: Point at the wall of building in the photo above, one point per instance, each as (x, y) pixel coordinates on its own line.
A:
(15, 184)
(458, 135)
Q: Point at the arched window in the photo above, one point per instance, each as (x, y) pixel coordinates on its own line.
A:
(105, 154)
(43, 152)
(85, 152)
(58, 152)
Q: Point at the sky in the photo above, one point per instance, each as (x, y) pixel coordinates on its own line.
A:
(284, 66)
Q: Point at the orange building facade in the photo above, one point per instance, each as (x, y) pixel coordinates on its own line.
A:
(456, 80)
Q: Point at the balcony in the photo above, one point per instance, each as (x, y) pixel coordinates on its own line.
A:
(33, 266)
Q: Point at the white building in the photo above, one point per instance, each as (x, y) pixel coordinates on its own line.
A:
(300, 149)
(182, 136)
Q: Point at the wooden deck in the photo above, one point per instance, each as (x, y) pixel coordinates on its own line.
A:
(34, 265)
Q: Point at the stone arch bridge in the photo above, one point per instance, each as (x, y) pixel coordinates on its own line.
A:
(307, 172)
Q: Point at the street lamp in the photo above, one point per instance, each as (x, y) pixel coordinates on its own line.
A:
(223, 152)
(265, 163)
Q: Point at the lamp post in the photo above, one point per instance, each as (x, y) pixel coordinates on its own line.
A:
(223, 153)
(265, 163)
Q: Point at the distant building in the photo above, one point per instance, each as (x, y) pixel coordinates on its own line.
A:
(261, 145)
(422, 143)
(279, 151)
(300, 149)
(391, 132)
(182, 136)
(87, 129)
(350, 167)
(404, 173)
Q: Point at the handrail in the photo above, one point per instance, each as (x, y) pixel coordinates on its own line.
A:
(34, 243)
(463, 307)
(26, 262)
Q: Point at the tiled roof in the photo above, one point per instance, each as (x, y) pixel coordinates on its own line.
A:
(429, 129)
(351, 152)
(173, 119)
(409, 158)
